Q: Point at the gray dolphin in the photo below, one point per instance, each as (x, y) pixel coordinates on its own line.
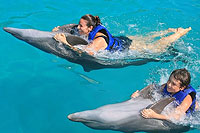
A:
(125, 116)
(45, 42)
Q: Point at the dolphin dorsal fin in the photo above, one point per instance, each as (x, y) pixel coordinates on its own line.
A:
(161, 104)
(146, 92)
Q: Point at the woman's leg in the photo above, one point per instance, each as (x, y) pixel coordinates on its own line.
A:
(162, 33)
(165, 42)
(162, 44)
(154, 34)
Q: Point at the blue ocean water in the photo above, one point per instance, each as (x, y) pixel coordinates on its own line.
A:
(38, 90)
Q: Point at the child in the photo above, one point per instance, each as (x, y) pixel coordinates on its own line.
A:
(177, 86)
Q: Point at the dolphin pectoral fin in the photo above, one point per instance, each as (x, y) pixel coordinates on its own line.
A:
(76, 40)
(161, 104)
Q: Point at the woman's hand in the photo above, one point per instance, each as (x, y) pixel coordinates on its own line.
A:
(60, 37)
(135, 94)
(148, 113)
(56, 28)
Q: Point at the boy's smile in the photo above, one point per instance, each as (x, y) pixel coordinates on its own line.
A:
(174, 85)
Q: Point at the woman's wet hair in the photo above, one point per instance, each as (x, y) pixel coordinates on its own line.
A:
(91, 20)
(182, 75)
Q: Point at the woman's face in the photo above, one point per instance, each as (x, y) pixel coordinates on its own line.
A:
(174, 85)
(83, 28)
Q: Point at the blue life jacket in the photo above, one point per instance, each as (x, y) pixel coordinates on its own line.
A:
(180, 96)
(114, 44)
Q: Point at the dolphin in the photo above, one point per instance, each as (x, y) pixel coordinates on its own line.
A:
(126, 117)
(44, 41)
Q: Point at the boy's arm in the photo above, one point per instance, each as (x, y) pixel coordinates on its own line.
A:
(176, 114)
(135, 94)
(197, 106)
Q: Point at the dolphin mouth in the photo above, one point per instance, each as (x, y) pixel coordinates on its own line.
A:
(15, 32)
(95, 124)
(6, 29)
(75, 118)
(9, 30)
(70, 117)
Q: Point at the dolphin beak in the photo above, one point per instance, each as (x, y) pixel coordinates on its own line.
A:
(7, 29)
(69, 116)
(73, 117)
(14, 31)
(79, 117)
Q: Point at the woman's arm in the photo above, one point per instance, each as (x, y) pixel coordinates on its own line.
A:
(177, 114)
(95, 46)
(62, 38)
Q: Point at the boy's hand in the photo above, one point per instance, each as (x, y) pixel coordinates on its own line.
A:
(135, 94)
(55, 29)
(148, 113)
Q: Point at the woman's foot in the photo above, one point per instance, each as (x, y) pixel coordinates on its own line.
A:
(172, 30)
(179, 30)
(182, 31)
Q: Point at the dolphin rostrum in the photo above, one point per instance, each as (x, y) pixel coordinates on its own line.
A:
(44, 41)
(126, 117)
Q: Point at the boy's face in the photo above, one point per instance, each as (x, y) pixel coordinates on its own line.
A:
(174, 85)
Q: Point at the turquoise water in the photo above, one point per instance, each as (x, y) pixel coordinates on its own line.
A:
(38, 90)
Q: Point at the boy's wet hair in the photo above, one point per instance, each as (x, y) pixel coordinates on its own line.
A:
(182, 75)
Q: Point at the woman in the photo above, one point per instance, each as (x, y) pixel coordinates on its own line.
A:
(101, 39)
